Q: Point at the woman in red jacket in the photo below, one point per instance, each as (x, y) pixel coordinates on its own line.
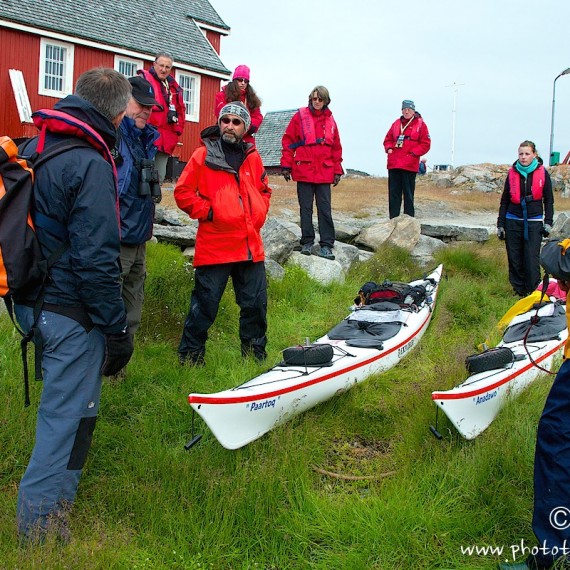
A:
(312, 156)
(239, 89)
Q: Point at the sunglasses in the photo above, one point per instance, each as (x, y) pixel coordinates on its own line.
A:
(317, 99)
(227, 121)
(242, 80)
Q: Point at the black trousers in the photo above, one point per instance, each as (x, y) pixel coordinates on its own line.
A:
(551, 518)
(250, 286)
(401, 183)
(523, 255)
(307, 193)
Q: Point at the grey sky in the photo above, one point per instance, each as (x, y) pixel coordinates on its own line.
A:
(373, 54)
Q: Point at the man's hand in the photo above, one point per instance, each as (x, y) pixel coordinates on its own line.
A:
(501, 233)
(286, 172)
(546, 230)
(118, 351)
(336, 179)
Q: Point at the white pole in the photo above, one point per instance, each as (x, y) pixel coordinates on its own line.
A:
(453, 115)
(453, 119)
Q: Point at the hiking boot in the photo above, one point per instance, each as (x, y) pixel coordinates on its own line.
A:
(326, 252)
(306, 249)
(191, 358)
(119, 377)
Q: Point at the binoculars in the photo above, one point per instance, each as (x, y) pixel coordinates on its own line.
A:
(149, 181)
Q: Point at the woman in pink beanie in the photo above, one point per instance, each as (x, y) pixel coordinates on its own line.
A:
(239, 89)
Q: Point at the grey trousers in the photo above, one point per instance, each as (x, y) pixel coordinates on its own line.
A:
(133, 275)
(71, 363)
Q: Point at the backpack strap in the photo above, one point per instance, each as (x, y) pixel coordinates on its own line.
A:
(37, 159)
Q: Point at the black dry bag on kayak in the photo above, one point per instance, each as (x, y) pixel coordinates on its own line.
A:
(490, 359)
(308, 355)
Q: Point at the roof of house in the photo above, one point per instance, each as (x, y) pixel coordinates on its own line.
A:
(268, 138)
(202, 11)
(144, 26)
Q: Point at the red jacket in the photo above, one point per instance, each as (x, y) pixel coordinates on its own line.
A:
(417, 142)
(169, 132)
(230, 207)
(316, 162)
(255, 114)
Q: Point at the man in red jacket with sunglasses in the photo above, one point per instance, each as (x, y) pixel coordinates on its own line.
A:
(224, 186)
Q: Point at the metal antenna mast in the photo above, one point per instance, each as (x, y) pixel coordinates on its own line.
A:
(453, 119)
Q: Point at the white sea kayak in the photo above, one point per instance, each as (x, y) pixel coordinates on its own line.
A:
(240, 415)
(475, 403)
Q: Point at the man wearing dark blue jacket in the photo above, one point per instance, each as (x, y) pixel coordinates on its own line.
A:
(82, 322)
(139, 189)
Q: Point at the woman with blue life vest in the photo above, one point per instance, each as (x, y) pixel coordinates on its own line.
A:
(525, 216)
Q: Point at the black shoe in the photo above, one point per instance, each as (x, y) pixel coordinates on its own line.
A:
(306, 249)
(326, 252)
(119, 377)
(191, 358)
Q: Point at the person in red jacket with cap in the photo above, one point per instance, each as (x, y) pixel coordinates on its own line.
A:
(225, 187)
(240, 89)
(170, 117)
(405, 142)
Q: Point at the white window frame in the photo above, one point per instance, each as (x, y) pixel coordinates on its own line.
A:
(66, 76)
(192, 105)
(137, 63)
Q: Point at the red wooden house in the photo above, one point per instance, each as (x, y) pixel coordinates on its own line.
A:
(45, 46)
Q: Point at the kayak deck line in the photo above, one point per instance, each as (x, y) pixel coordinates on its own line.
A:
(212, 399)
(471, 394)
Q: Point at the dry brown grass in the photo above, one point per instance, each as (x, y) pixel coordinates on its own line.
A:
(357, 196)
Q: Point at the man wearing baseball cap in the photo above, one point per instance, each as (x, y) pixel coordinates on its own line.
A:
(139, 189)
(225, 187)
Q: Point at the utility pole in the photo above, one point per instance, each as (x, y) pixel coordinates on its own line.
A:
(453, 119)
(550, 156)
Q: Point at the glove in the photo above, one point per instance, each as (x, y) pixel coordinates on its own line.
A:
(501, 233)
(118, 351)
(286, 174)
(546, 230)
(336, 179)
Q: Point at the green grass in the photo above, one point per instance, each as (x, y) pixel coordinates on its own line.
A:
(146, 503)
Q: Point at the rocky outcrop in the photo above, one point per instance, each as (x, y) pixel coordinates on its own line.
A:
(357, 240)
(491, 178)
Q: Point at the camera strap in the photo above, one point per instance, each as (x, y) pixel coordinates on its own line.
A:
(403, 128)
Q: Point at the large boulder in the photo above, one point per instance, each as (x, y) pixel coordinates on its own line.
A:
(561, 227)
(274, 270)
(403, 231)
(426, 247)
(451, 232)
(182, 236)
(279, 238)
(346, 254)
(324, 271)
(560, 176)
